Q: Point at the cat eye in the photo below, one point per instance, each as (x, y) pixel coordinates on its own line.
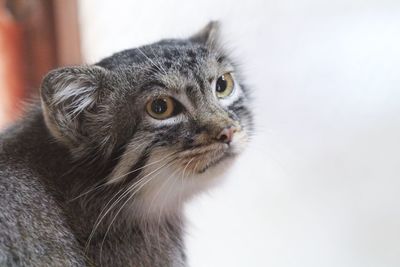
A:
(161, 108)
(224, 85)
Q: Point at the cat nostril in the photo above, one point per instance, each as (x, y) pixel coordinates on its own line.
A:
(226, 134)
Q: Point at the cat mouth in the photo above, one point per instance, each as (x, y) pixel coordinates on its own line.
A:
(214, 162)
(200, 159)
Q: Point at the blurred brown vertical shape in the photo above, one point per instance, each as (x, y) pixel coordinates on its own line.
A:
(67, 32)
(12, 78)
(39, 32)
(35, 37)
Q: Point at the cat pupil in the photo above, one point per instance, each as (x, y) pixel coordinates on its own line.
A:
(221, 84)
(159, 106)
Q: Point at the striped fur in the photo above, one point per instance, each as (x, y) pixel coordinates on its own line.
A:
(122, 177)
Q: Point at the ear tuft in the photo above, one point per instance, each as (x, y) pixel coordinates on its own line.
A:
(209, 35)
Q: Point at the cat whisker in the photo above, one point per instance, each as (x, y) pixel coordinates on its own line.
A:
(139, 179)
(132, 194)
(140, 168)
(160, 189)
(154, 64)
(102, 216)
(159, 63)
(161, 207)
(182, 179)
(183, 174)
(97, 186)
(101, 183)
(142, 144)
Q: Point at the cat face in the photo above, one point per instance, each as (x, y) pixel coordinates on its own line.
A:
(171, 114)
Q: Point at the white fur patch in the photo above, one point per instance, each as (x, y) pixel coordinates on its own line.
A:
(166, 184)
(131, 155)
(168, 188)
(79, 95)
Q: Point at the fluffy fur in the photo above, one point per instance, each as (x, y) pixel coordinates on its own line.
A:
(89, 178)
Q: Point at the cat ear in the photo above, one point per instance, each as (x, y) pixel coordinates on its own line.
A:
(69, 95)
(209, 35)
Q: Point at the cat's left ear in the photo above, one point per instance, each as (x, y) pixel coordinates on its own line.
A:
(209, 35)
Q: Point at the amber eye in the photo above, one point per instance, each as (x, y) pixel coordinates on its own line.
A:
(161, 108)
(224, 85)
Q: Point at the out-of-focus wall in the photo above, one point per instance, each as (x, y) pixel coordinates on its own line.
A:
(320, 184)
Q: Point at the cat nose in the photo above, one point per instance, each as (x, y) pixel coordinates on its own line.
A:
(226, 135)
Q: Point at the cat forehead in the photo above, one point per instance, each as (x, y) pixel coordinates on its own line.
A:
(173, 64)
(172, 54)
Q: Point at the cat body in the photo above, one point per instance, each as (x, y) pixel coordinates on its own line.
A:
(97, 172)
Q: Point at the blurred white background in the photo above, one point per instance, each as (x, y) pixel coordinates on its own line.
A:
(320, 184)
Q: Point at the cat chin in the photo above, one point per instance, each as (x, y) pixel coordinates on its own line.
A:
(167, 191)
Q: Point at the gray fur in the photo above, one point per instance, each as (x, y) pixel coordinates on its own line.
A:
(87, 177)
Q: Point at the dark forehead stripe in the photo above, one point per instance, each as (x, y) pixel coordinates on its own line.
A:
(191, 59)
(195, 96)
(191, 53)
(200, 82)
(190, 90)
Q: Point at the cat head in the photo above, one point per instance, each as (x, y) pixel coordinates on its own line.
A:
(171, 114)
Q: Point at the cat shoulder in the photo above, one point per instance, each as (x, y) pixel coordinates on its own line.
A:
(32, 226)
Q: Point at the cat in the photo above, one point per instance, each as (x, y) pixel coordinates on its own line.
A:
(97, 172)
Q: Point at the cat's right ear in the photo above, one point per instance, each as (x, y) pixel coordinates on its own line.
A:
(69, 95)
(209, 35)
